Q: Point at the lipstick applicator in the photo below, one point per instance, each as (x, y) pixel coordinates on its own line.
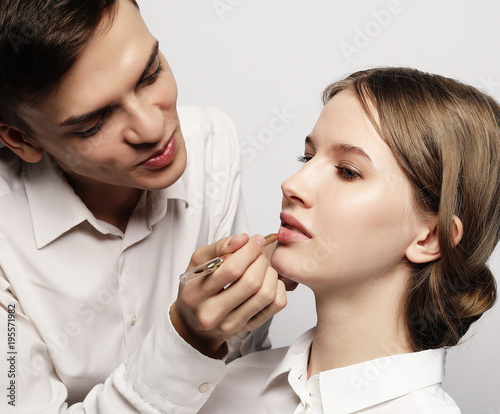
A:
(212, 265)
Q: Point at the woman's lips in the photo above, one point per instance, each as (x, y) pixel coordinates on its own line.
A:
(291, 230)
(287, 235)
(164, 158)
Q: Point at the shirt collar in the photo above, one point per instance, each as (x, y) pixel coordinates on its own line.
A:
(156, 202)
(56, 209)
(353, 388)
(295, 365)
(359, 386)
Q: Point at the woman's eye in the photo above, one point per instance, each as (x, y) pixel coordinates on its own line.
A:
(347, 174)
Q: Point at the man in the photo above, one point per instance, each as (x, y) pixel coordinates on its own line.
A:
(104, 198)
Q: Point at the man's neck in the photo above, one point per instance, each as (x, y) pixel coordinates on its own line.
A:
(110, 203)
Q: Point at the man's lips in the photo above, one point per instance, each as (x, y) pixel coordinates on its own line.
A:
(162, 158)
(291, 229)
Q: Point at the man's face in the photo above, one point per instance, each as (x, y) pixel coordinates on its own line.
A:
(112, 119)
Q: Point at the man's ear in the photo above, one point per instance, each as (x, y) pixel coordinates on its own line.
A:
(19, 143)
(425, 247)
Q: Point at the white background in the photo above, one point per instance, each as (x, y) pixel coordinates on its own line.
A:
(256, 59)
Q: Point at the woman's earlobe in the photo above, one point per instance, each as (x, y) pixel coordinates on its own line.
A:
(18, 143)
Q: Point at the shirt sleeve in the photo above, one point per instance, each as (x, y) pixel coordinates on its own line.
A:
(165, 375)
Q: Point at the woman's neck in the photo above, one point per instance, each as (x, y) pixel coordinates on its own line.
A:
(358, 324)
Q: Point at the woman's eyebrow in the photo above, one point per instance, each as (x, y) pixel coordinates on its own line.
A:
(348, 148)
(341, 147)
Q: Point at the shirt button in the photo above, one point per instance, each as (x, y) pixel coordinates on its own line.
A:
(133, 319)
(204, 387)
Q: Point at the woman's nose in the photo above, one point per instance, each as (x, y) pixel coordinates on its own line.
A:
(298, 189)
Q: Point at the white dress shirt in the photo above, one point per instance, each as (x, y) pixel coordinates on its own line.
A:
(83, 296)
(275, 382)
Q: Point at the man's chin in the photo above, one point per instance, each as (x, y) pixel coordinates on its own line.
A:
(167, 177)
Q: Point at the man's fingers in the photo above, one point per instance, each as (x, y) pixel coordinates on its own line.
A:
(244, 270)
(234, 266)
(279, 303)
(267, 297)
(242, 293)
(219, 248)
(257, 309)
(220, 305)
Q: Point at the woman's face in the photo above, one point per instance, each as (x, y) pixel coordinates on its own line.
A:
(348, 214)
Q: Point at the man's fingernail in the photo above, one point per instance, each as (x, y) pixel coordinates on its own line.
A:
(260, 240)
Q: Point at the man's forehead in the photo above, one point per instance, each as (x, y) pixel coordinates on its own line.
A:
(109, 64)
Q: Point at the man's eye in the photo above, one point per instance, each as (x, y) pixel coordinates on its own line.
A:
(95, 129)
(151, 78)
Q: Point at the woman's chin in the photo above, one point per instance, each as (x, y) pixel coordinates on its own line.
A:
(285, 268)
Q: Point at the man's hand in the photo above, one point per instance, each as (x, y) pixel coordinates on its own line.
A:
(238, 297)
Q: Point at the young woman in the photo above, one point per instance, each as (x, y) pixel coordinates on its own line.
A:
(390, 223)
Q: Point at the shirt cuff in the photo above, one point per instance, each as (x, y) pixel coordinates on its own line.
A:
(171, 375)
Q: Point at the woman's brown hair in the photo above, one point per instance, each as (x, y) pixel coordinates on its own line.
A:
(445, 136)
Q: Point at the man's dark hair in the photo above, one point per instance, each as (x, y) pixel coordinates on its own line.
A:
(39, 41)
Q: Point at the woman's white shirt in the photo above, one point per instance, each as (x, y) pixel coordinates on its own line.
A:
(275, 381)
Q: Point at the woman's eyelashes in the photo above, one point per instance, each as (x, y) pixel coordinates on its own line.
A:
(304, 158)
(346, 173)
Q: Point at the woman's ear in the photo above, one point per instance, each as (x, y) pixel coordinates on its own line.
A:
(19, 143)
(458, 231)
(425, 247)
